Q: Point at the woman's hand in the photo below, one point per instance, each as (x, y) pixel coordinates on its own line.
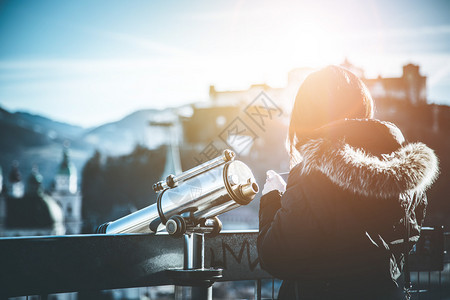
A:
(274, 182)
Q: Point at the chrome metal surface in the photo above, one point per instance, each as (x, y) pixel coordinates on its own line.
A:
(204, 196)
(198, 244)
(197, 261)
(210, 194)
(197, 195)
(137, 222)
(188, 252)
(174, 180)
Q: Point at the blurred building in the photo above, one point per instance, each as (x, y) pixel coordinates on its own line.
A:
(283, 96)
(215, 115)
(237, 118)
(410, 88)
(34, 213)
(15, 187)
(66, 194)
(27, 210)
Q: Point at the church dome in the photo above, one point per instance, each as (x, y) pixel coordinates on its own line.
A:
(36, 209)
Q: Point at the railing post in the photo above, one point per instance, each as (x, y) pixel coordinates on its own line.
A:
(258, 289)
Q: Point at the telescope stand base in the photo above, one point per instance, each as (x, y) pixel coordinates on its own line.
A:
(195, 277)
(200, 281)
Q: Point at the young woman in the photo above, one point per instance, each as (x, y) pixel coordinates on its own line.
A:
(336, 230)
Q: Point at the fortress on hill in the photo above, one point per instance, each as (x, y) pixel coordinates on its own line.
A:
(410, 88)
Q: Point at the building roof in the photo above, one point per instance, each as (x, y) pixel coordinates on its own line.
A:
(36, 209)
(66, 167)
(14, 174)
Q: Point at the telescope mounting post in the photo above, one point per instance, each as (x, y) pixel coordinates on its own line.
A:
(194, 273)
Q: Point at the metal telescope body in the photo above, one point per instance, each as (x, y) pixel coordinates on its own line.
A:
(192, 198)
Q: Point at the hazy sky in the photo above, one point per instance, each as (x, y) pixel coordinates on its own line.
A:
(89, 62)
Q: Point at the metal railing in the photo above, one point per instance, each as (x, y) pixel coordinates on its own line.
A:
(65, 264)
(430, 272)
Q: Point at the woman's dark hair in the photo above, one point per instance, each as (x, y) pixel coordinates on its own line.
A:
(328, 95)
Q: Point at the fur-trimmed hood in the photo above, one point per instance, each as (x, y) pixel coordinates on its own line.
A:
(370, 158)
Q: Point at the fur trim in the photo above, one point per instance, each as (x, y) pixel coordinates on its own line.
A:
(412, 168)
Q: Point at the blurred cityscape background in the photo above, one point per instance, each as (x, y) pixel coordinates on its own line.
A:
(80, 178)
(98, 101)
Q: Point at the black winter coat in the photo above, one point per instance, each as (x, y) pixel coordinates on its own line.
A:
(337, 232)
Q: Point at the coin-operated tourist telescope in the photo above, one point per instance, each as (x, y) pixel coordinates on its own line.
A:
(191, 201)
(188, 205)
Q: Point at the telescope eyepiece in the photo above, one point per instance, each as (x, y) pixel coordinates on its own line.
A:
(248, 191)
